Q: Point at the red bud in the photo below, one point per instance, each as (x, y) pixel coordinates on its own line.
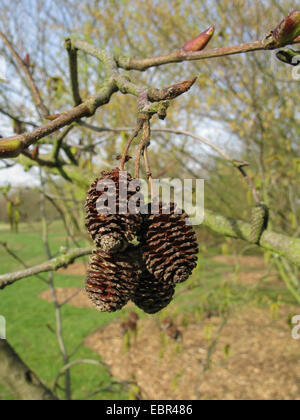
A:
(27, 60)
(35, 152)
(200, 42)
(288, 29)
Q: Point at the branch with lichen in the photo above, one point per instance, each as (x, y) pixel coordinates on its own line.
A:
(20, 379)
(52, 265)
(73, 66)
(156, 101)
(13, 146)
(180, 56)
(283, 245)
(114, 81)
(279, 244)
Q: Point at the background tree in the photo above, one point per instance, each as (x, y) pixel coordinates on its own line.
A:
(246, 106)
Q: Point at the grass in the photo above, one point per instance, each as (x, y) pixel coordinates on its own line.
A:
(31, 320)
(207, 291)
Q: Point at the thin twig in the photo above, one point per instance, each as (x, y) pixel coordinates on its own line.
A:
(163, 130)
(63, 303)
(135, 133)
(17, 258)
(144, 143)
(287, 280)
(44, 162)
(36, 94)
(73, 66)
(196, 137)
(148, 172)
(13, 146)
(68, 366)
(62, 215)
(138, 159)
(58, 315)
(51, 265)
(179, 56)
(58, 142)
(212, 347)
(250, 183)
(17, 119)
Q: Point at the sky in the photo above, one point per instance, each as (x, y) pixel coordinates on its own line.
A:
(18, 176)
(26, 12)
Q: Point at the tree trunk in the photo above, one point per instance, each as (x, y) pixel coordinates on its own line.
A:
(19, 378)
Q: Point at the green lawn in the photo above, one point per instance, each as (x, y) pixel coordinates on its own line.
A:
(30, 319)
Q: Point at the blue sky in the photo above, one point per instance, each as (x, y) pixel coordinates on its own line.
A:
(29, 11)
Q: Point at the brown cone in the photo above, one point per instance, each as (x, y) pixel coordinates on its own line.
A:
(169, 246)
(112, 279)
(152, 295)
(110, 232)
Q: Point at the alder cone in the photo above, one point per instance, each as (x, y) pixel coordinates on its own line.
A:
(112, 279)
(110, 231)
(152, 295)
(169, 245)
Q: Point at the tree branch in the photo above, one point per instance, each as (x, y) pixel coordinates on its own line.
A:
(59, 141)
(16, 119)
(166, 130)
(75, 363)
(170, 92)
(13, 146)
(52, 265)
(44, 162)
(280, 244)
(36, 94)
(19, 378)
(73, 65)
(129, 63)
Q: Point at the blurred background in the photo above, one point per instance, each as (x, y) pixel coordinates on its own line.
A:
(227, 333)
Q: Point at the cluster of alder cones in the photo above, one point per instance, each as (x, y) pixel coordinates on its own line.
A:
(164, 254)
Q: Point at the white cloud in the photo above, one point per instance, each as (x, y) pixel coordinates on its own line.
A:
(16, 176)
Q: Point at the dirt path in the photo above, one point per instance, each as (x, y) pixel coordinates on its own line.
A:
(255, 358)
(243, 261)
(74, 296)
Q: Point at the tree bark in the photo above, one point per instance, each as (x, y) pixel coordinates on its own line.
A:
(18, 377)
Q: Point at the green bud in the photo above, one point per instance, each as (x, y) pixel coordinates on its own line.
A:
(10, 148)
